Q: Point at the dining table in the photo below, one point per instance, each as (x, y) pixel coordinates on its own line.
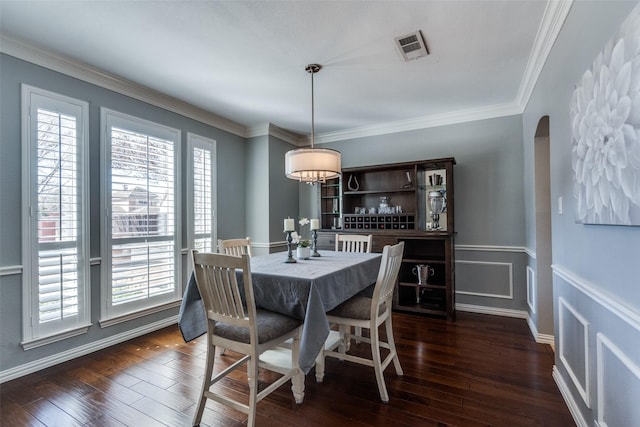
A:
(305, 290)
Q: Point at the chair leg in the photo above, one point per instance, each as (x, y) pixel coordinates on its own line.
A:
(252, 367)
(320, 366)
(206, 383)
(377, 363)
(357, 333)
(345, 338)
(392, 345)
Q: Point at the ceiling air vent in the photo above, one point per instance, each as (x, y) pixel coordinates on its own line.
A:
(411, 46)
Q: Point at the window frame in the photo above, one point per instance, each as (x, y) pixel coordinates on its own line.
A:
(35, 333)
(111, 314)
(196, 141)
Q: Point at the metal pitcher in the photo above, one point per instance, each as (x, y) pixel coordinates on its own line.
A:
(423, 271)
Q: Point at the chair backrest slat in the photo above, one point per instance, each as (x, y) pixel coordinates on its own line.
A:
(218, 286)
(388, 273)
(354, 243)
(235, 247)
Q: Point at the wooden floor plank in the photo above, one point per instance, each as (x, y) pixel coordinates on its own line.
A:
(480, 370)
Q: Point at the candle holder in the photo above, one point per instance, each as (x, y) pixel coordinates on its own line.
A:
(290, 258)
(314, 243)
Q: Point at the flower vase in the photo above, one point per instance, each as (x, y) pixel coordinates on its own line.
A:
(303, 253)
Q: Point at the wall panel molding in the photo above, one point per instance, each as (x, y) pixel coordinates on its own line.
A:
(531, 289)
(509, 272)
(565, 311)
(617, 307)
(491, 248)
(609, 384)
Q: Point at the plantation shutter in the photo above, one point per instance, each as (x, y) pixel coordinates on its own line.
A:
(142, 216)
(58, 214)
(202, 200)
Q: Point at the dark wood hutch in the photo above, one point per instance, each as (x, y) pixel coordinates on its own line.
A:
(395, 202)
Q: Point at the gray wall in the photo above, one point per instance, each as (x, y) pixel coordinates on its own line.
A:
(489, 216)
(231, 200)
(270, 195)
(596, 268)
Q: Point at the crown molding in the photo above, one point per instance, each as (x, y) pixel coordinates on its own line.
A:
(555, 13)
(275, 131)
(469, 115)
(89, 74)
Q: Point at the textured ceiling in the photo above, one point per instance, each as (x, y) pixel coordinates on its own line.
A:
(244, 60)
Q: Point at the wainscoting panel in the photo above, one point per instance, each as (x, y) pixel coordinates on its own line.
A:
(618, 386)
(484, 278)
(531, 290)
(573, 348)
(598, 359)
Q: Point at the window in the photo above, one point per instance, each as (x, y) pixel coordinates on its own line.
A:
(55, 216)
(201, 193)
(141, 248)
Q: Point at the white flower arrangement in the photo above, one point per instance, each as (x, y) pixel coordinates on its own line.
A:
(303, 243)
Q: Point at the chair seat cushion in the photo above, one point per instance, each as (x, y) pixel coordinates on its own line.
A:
(270, 326)
(357, 307)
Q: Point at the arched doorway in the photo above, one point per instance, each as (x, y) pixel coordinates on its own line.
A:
(542, 184)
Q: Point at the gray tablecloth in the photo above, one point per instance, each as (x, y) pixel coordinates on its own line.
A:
(305, 290)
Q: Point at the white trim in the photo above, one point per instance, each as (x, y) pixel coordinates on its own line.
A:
(39, 342)
(111, 118)
(33, 98)
(37, 365)
(555, 13)
(87, 73)
(531, 289)
(505, 312)
(10, 270)
(490, 248)
(268, 245)
(277, 132)
(482, 294)
(603, 341)
(568, 398)
(193, 141)
(105, 323)
(584, 390)
(530, 252)
(540, 338)
(617, 307)
(450, 118)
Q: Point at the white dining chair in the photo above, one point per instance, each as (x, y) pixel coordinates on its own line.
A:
(354, 243)
(238, 326)
(237, 247)
(369, 313)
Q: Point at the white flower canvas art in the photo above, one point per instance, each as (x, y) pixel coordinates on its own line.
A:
(605, 127)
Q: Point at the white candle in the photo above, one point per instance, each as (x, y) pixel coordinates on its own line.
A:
(315, 224)
(288, 224)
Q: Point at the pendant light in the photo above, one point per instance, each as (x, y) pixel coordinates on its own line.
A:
(312, 165)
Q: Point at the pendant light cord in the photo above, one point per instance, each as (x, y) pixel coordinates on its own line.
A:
(313, 125)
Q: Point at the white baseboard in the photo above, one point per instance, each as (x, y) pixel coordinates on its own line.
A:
(505, 312)
(36, 365)
(568, 398)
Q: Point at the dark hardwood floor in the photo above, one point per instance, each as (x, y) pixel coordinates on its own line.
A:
(478, 371)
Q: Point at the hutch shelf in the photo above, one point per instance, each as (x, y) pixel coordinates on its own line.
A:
(411, 202)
